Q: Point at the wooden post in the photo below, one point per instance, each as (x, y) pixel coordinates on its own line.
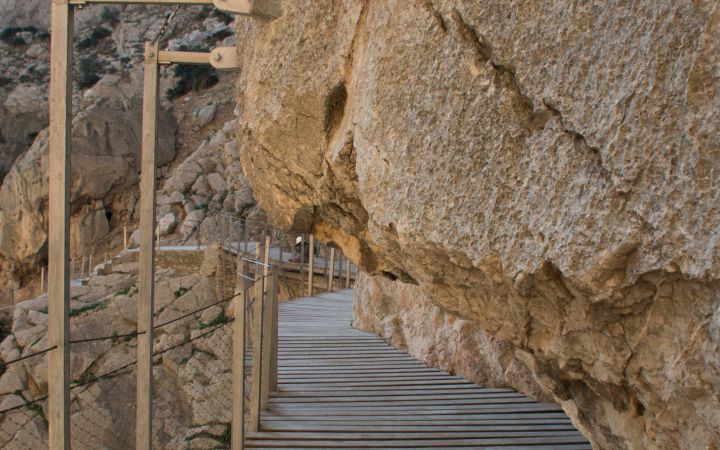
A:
(157, 238)
(266, 348)
(42, 280)
(82, 268)
(238, 374)
(325, 260)
(347, 274)
(273, 347)
(340, 270)
(256, 380)
(266, 259)
(331, 272)
(146, 294)
(59, 174)
(125, 237)
(311, 269)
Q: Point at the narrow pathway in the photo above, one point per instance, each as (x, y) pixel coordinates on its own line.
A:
(344, 388)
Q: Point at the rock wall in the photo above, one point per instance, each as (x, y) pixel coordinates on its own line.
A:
(408, 319)
(546, 170)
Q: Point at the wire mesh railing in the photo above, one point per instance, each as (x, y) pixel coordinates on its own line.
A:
(195, 357)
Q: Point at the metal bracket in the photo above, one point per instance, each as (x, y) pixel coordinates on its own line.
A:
(221, 58)
(225, 58)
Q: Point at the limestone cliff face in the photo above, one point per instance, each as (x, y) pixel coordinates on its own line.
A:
(546, 170)
(408, 319)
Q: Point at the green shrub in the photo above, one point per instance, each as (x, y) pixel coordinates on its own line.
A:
(89, 70)
(92, 40)
(110, 15)
(192, 77)
(9, 35)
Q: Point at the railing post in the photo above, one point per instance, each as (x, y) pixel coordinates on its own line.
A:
(347, 273)
(331, 272)
(274, 310)
(266, 344)
(257, 329)
(311, 269)
(266, 258)
(147, 252)
(238, 374)
(59, 174)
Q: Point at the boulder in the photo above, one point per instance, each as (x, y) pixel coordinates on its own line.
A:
(217, 183)
(166, 224)
(206, 114)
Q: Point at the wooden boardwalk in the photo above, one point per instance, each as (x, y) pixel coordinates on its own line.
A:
(343, 388)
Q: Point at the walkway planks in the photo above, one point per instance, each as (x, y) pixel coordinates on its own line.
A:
(343, 388)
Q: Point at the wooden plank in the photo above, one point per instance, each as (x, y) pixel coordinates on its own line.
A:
(426, 443)
(429, 434)
(342, 388)
(59, 183)
(146, 265)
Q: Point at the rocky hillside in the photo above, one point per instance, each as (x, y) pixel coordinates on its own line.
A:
(192, 370)
(547, 171)
(198, 157)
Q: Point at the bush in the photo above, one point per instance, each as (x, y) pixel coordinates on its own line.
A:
(9, 35)
(97, 35)
(110, 15)
(192, 78)
(219, 35)
(89, 70)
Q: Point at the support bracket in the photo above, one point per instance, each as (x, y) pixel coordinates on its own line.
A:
(221, 58)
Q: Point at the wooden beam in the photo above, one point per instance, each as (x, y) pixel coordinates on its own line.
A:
(311, 269)
(266, 257)
(238, 374)
(266, 343)
(274, 313)
(331, 272)
(255, 379)
(347, 273)
(146, 294)
(244, 7)
(167, 57)
(59, 182)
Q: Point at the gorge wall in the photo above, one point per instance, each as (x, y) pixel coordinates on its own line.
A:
(547, 171)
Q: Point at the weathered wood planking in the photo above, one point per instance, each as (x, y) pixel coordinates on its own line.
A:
(342, 388)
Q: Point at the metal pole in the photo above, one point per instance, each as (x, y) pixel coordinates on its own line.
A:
(147, 251)
(59, 174)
